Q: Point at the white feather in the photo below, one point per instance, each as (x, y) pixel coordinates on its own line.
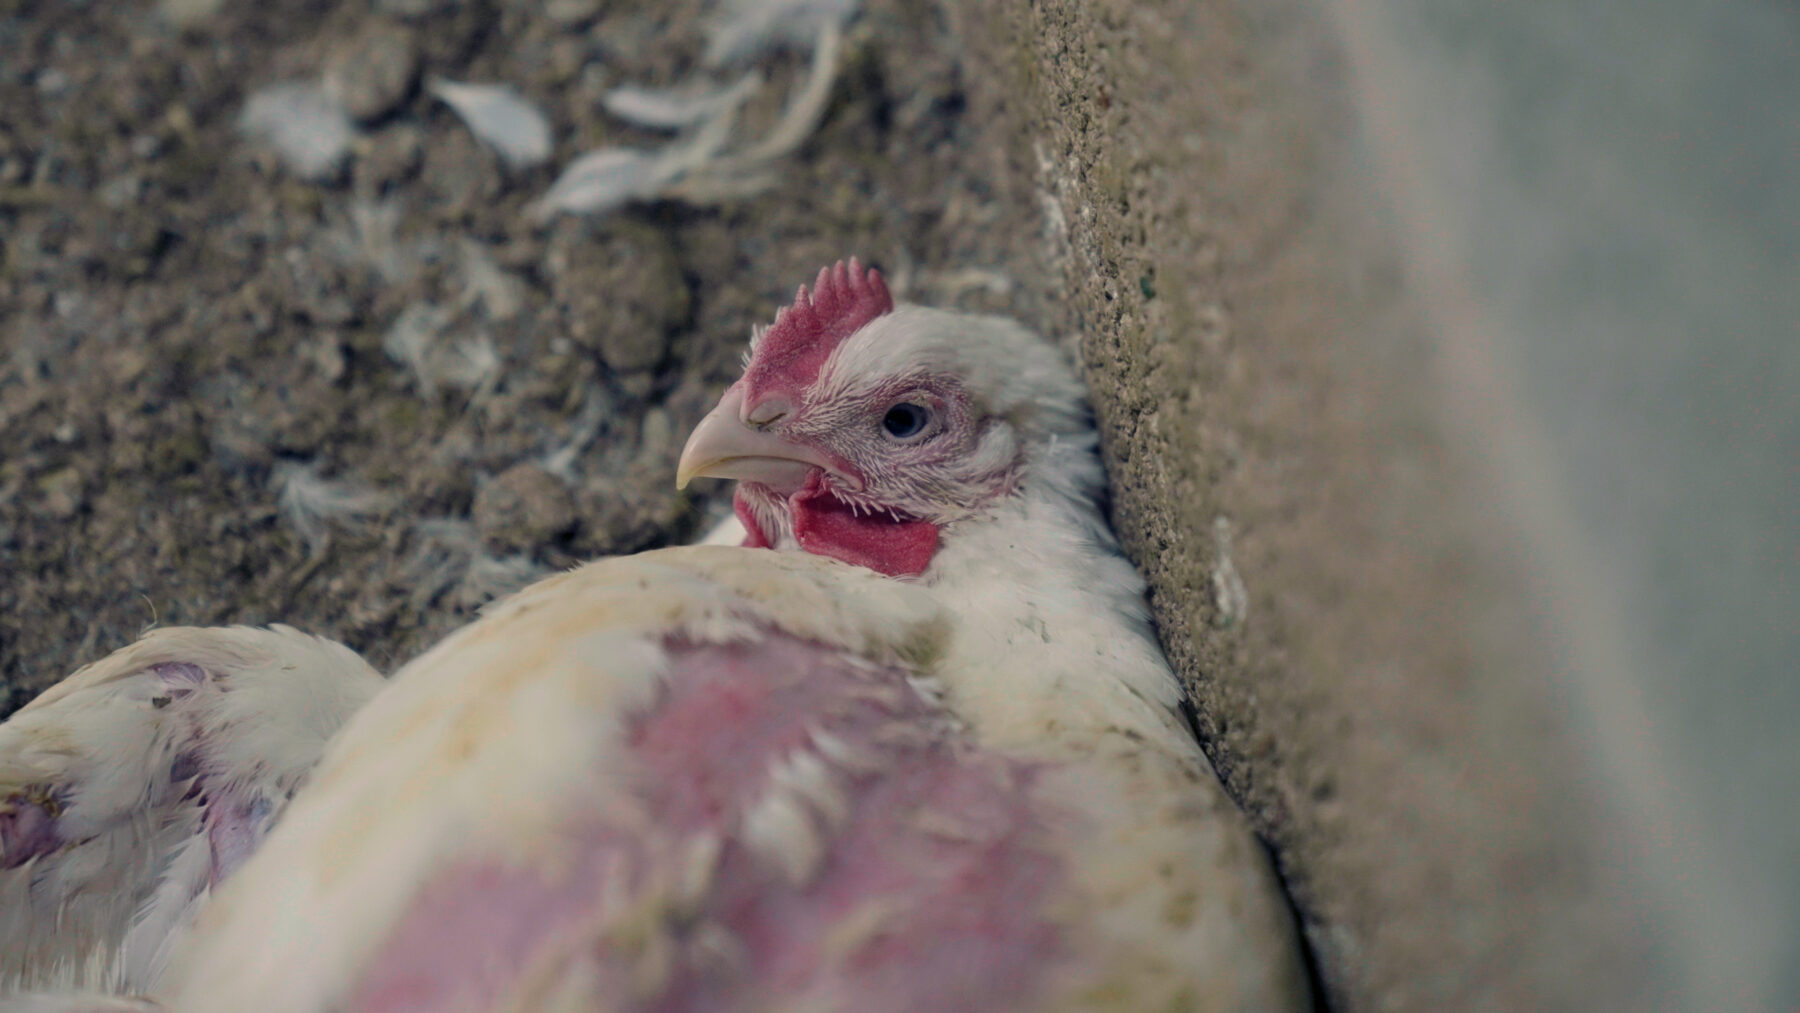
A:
(698, 169)
(729, 531)
(448, 556)
(416, 340)
(674, 109)
(780, 832)
(801, 116)
(309, 129)
(593, 420)
(502, 118)
(752, 169)
(410, 338)
(746, 29)
(312, 504)
(499, 293)
(600, 181)
(604, 179)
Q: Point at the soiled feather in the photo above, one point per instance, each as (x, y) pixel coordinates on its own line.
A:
(416, 340)
(699, 170)
(675, 108)
(602, 180)
(449, 557)
(750, 170)
(306, 127)
(498, 292)
(409, 339)
(311, 503)
(501, 118)
(748, 28)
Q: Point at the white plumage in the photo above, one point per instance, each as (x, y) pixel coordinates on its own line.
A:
(128, 788)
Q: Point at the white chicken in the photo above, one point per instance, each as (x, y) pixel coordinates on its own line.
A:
(133, 787)
(932, 761)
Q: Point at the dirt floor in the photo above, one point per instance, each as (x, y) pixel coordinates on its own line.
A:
(202, 424)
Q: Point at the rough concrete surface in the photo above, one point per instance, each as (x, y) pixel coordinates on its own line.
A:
(1368, 674)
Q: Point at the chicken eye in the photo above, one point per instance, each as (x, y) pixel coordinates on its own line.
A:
(905, 420)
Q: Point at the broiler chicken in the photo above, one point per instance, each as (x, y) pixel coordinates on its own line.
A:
(932, 760)
(133, 787)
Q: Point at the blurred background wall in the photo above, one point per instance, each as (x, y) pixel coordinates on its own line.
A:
(1601, 202)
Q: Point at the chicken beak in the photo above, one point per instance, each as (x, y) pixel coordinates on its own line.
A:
(723, 445)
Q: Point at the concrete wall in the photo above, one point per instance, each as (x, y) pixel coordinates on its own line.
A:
(1391, 320)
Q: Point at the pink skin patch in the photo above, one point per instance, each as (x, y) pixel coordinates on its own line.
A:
(926, 891)
(235, 818)
(236, 822)
(28, 828)
(30, 823)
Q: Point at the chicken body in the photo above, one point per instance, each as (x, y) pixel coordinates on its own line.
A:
(131, 788)
(724, 778)
(931, 760)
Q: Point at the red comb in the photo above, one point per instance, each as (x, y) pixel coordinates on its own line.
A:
(790, 354)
